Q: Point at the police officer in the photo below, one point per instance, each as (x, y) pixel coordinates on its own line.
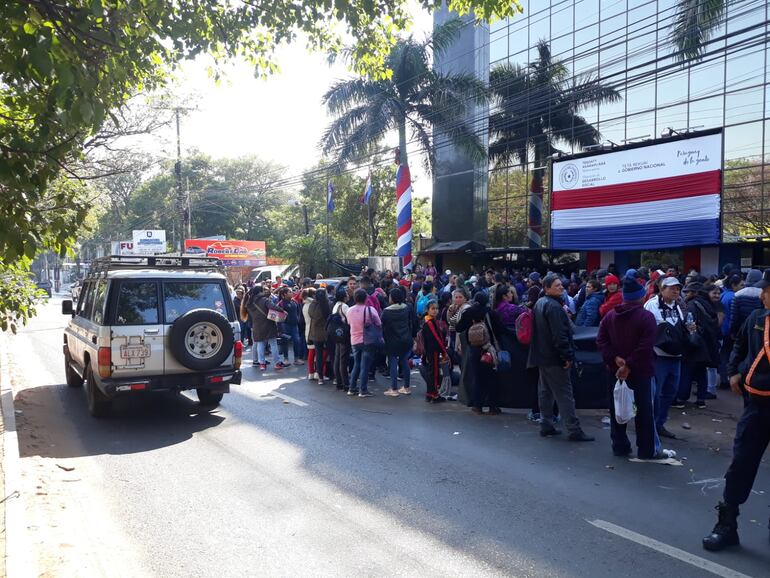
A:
(749, 371)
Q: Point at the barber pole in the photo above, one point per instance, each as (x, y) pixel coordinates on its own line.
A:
(404, 215)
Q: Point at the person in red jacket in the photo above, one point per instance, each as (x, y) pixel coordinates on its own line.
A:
(612, 296)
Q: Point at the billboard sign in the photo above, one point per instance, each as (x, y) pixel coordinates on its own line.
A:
(122, 248)
(232, 253)
(666, 194)
(149, 242)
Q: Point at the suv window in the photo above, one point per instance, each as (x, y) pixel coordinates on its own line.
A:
(137, 303)
(100, 296)
(87, 301)
(183, 296)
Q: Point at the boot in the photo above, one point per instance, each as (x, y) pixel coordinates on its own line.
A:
(725, 533)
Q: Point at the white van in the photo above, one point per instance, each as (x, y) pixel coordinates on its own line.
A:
(269, 273)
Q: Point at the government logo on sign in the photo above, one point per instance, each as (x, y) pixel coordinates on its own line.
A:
(568, 176)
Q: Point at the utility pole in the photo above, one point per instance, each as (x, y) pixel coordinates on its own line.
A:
(189, 212)
(184, 220)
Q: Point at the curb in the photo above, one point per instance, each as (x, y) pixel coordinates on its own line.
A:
(17, 563)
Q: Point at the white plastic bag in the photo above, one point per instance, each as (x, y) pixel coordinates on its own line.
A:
(625, 408)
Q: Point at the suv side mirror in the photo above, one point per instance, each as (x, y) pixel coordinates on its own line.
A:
(66, 307)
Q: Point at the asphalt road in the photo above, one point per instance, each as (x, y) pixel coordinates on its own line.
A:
(305, 481)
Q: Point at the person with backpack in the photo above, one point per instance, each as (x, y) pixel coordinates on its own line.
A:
(338, 330)
(398, 328)
(749, 371)
(360, 317)
(319, 311)
(478, 377)
(506, 307)
(257, 306)
(425, 296)
(552, 351)
(435, 354)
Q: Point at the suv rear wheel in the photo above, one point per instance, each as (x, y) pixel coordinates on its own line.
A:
(208, 397)
(99, 405)
(72, 377)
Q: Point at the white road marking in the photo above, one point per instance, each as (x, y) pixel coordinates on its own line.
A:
(288, 398)
(681, 555)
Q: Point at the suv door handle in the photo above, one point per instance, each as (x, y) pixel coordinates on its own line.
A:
(151, 331)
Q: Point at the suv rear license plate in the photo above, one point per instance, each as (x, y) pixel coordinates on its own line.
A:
(134, 351)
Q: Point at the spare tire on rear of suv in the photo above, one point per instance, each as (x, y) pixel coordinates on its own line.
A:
(201, 339)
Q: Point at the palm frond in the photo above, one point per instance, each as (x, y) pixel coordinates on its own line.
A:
(342, 127)
(444, 36)
(420, 134)
(345, 94)
(694, 22)
(588, 91)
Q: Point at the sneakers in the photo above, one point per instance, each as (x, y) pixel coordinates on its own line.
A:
(580, 436)
(725, 533)
(310, 377)
(366, 394)
(663, 455)
(299, 362)
(281, 365)
(352, 392)
(263, 366)
(664, 433)
(391, 393)
(678, 404)
(405, 391)
(533, 416)
(315, 376)
(550, 432)
(701, 404)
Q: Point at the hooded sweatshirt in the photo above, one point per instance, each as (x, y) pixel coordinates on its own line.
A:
(629, 331)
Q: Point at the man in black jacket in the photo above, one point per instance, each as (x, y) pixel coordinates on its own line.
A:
(749, 370)
(552, 352)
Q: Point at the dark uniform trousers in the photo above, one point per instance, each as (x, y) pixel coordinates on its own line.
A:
(752, 437)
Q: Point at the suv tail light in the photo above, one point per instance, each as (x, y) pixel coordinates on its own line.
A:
(237, 354)
(105, 361)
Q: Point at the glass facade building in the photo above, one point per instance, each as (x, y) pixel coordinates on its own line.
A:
(626, 44)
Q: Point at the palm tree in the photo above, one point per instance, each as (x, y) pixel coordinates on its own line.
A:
(416, 98)
(537, 107)
(694, 22)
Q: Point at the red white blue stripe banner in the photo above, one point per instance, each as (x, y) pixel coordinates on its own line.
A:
(659, 196)
(404, 215)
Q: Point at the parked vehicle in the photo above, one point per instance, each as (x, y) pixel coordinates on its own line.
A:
(270, 272)
(46, 286)
(149, 324)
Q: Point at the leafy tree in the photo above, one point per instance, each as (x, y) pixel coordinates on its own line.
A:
(694, 22)
(415, 98)
(539, 106)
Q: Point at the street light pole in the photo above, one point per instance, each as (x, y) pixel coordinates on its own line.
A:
(182, 206)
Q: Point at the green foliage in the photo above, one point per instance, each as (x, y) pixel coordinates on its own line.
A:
(415, 98)
(18, 295)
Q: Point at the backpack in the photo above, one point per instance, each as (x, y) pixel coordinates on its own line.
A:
(337, 329)
(478, 334)
(422, 303)
(373, 302)
(419, 345)
(523, 326)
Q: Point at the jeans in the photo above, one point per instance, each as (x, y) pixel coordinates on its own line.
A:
(647, 441)
(363, 357)
(396, 363)
(341, 359)
(292, 331)
(692, 372)
(320, 358)
(667, 371)
(259, 350)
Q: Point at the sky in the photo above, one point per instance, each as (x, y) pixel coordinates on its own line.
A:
(279, 119)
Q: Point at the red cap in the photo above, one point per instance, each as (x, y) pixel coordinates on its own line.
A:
(611, 279)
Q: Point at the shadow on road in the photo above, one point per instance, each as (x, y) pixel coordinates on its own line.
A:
(138, 424)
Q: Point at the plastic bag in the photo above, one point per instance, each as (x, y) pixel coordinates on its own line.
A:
(625, 408)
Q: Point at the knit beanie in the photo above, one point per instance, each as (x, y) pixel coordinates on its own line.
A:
(632, 290)
(611, 279)
(754, 276)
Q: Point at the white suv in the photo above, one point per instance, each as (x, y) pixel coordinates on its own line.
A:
(146, 324)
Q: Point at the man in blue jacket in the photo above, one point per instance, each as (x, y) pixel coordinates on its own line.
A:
(588, 316)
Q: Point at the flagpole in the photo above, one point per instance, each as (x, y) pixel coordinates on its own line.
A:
(369, 220)
(328, 242)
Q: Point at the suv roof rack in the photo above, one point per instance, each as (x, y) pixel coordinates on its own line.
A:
(102, 265)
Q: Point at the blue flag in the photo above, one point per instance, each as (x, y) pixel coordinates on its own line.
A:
(364, 199)
(330, 197)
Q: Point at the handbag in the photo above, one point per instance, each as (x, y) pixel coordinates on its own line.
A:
(276, 315)
(671, 339)
(372, 332)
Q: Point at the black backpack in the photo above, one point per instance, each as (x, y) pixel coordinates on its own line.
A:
(336, 328)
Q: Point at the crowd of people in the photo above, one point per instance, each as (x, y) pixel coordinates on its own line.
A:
(663, 333)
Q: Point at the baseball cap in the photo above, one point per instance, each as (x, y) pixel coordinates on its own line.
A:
(670, 282)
